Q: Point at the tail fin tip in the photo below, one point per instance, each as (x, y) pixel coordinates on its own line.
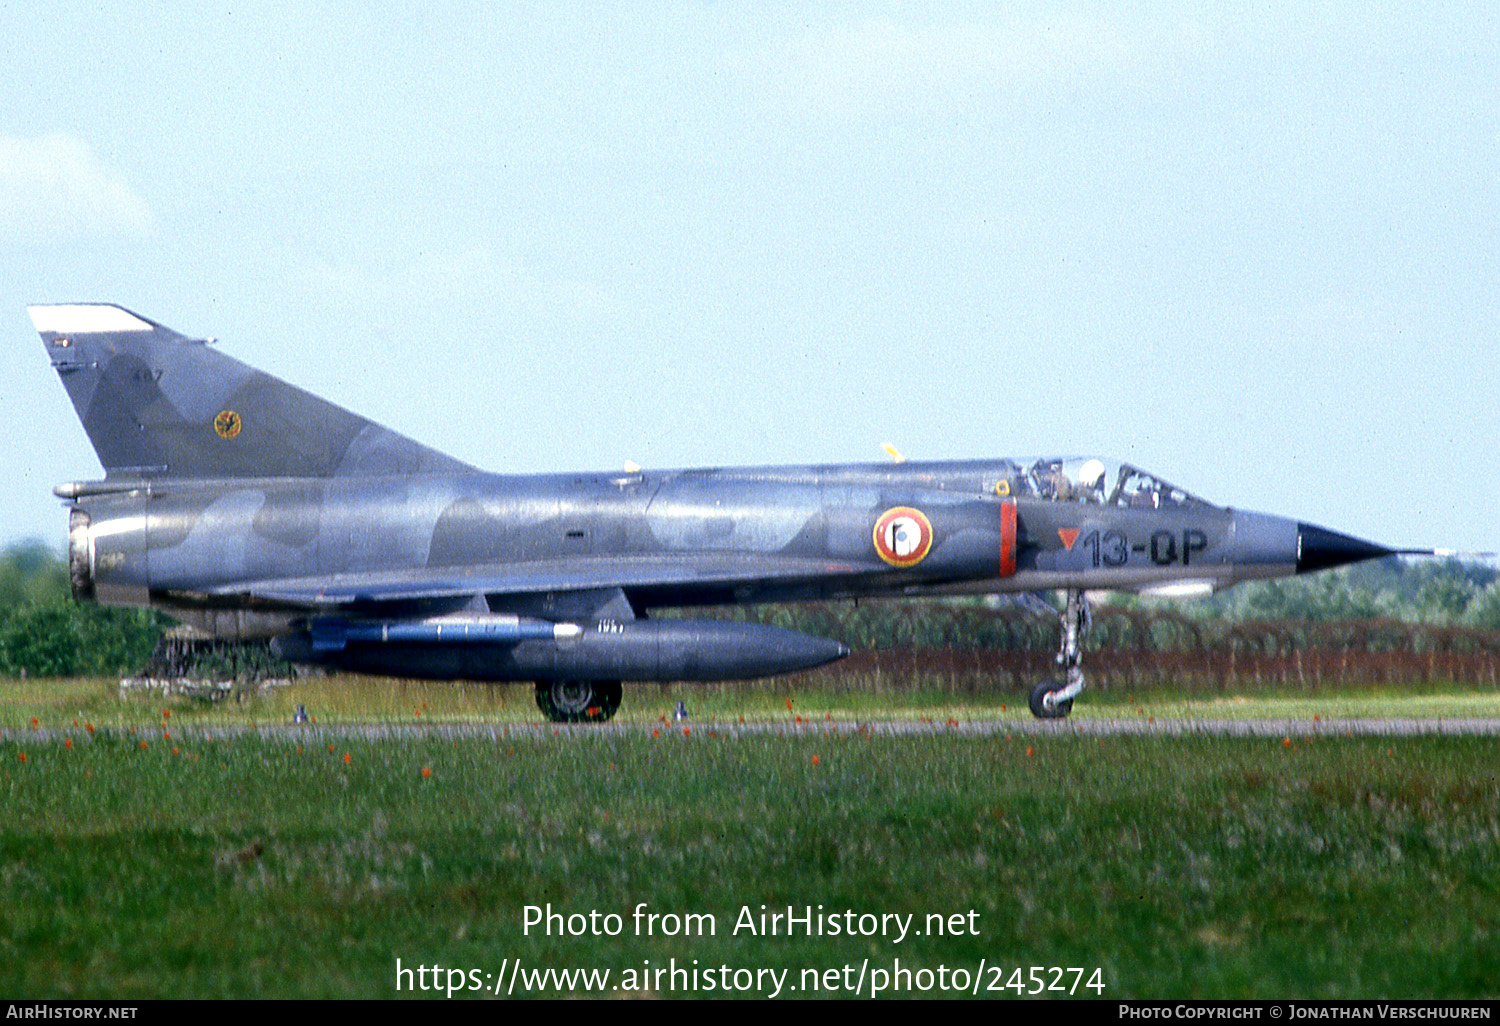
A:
(154, 404)
(85, 319)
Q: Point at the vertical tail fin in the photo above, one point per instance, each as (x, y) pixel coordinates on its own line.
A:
(157, 404)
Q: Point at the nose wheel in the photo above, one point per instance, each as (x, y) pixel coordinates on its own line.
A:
(1044, 702)
(1051, 699)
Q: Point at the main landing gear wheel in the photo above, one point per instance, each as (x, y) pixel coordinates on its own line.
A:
(1052, 700)
(1044, 706)
(578, 701)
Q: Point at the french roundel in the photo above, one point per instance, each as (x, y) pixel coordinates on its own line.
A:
(902, 536)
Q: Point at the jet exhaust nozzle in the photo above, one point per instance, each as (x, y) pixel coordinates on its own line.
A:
(80, 556)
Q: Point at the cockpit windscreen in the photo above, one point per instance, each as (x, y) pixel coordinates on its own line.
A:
(1092, 480)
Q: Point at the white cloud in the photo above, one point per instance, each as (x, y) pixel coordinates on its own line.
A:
(54, 185)
(881, 67)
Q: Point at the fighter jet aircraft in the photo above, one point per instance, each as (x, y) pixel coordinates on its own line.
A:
(249, 508)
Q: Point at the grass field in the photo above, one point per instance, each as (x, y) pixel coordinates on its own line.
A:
(336, 700)
(133, 864)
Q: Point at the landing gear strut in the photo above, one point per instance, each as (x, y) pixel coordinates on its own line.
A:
(578, 701)
(1052, 700)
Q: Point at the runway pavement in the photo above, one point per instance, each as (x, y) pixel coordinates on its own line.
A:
(980, 728)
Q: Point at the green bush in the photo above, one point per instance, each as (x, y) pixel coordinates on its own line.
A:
(44, 633)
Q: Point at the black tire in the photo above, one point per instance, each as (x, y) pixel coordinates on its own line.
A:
(578, 701)
(1041, 711)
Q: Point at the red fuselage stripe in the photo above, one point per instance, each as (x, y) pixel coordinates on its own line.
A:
(1007, 539)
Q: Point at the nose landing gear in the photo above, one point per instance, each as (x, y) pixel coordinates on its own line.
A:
(1051, 699)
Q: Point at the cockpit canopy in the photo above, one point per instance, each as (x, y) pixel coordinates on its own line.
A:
(1092, 480)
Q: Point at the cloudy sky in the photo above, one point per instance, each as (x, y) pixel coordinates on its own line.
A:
(1252, 248)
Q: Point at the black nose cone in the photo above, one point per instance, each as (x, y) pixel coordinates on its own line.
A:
(1319, 549)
